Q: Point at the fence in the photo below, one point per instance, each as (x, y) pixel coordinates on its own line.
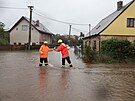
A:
(18, 47)
(4, 47)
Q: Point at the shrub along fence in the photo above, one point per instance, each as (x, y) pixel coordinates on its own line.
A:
(112, 51)
(117, 49)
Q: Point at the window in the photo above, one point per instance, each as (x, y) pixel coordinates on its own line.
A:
(19, 43)
(130, 22)
(95, 45)
(14, 43)
(33, 43)
(89, 43)
(85, 43)
(16, 28)
(44, 37)
(24, 27)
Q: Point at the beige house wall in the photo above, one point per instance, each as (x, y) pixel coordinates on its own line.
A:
(129, 38)
(98, 40)
(118, 29)
(119, 26)
(45, 37)
(17, 35)
(94, 43)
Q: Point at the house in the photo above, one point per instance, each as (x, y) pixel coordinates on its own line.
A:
(74, 37)
(19, 33)
(120, 25)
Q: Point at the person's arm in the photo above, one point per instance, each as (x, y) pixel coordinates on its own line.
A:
(60, 48)
(50, 49)
(40, 50)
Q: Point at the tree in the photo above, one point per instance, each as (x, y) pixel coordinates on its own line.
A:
(4, 35)
(81, 34)
(2, 25)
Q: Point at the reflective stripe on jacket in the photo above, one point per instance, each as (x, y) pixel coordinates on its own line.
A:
(64, 50)
(44, 51)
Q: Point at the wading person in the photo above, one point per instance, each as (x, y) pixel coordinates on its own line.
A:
(63, 48)
(44, 49)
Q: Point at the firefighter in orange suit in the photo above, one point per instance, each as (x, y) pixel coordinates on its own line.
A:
(44, 49)
(65, 54)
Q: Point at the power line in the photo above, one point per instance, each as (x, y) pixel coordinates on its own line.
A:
(29, 2)
(78, 30)
(69, 23)
(12, 8)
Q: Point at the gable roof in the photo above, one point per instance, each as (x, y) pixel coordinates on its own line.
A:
(41, 28)
(104, 23)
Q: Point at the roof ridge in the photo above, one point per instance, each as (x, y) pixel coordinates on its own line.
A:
(105, 22)
(41, 28)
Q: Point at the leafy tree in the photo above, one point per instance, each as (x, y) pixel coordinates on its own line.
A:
(81, 34)
(89, 55)
(2, 25)
(65, 40)
(4, 36)
(55, 39)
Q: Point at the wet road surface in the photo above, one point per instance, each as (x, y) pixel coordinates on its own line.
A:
(22, 80)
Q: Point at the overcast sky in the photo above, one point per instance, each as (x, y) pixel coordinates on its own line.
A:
(72, 11)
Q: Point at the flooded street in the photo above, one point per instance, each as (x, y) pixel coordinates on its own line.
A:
(22, 80)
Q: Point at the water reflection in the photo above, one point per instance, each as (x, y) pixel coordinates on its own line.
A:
(64, 79)
(43, 80)
(114, 82)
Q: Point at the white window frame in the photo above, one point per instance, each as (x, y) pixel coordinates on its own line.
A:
(24, 27)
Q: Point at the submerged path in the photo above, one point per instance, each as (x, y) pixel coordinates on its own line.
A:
(22, 80)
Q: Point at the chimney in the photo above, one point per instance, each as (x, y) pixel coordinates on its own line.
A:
(119, 5)
(37, 23)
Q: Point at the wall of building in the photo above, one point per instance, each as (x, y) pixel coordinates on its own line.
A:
(45, 37)
(94, 43)
(119, 26)
(129, 38)
(91, 41)
(17, 35)
(118, 29)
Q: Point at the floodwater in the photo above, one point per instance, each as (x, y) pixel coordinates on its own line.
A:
(22, 80)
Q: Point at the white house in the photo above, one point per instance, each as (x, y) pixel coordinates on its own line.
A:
(19, 33)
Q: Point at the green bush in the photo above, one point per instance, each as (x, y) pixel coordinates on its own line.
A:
(3, 42)
(4, 36)
(117, 49)
(133, 46)
(88, 54)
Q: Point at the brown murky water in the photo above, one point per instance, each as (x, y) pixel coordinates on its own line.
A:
(22, 80)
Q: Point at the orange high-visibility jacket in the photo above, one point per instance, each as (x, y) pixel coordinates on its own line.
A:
(44, 51)
(64, 50)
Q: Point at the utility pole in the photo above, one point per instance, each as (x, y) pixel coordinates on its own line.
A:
(89, 29)
(69, 33)
(29, 41)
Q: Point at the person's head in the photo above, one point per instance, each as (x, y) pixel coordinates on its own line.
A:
(59, 41)
(45, 42)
